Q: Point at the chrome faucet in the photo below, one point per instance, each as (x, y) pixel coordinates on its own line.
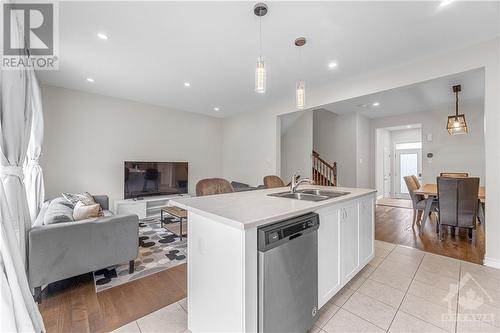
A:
(295, 183)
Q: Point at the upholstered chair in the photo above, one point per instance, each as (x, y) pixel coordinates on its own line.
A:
(273, 182)
(458, 204)
(211, 186)
(418, 201)
(454, 174)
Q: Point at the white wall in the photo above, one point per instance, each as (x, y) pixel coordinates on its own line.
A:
(249, 139)
(451, 152)
(296, 145)
(344, 139)
(335, 141)
(88, 137)
(363, 153)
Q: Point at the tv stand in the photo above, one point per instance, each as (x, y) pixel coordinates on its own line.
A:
(146, 207)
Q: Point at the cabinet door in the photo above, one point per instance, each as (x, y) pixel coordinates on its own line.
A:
(366, 236)
(328, 254)
(349, 251)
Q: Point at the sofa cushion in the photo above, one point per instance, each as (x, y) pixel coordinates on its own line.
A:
(84, 197)
(82, 212)
(59, 210)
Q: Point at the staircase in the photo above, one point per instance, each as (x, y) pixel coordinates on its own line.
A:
(323, 172)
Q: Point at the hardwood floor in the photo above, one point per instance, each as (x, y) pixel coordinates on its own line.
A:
(394, 225)
(72, 305)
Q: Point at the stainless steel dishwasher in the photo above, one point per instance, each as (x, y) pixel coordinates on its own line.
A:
(288, 275)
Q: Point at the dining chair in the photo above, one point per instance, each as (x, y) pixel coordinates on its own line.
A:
(273, 182)
(454, 174)
(212, 186)
(458, 204)
(418, 201)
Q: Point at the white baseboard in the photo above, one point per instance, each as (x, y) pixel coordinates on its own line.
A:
(495, 263)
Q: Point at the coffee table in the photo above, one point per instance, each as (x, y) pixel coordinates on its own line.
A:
(177, 212)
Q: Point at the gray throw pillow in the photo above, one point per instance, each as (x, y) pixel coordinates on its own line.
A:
(59, 211)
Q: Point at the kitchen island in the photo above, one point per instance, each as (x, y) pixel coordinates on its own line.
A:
(222, 249)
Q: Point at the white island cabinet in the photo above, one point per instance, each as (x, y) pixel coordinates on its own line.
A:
(345, 244)
(222, 250)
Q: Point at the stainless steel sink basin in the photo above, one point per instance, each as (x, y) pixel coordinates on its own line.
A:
(309, 195)
(329, 194)
(299, 196)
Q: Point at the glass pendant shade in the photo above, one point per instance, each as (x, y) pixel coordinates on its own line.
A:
(457, 125)
(300, 95)
(260, 76)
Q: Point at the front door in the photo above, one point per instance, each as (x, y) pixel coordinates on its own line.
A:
(408, 163)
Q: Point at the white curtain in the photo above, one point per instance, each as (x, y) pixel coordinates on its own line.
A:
(19, 313)
(15, 130)
(33, 176)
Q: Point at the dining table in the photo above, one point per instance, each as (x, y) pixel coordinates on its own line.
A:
(431, 191)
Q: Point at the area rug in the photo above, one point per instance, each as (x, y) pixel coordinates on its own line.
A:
(400, 203)
(159, 249)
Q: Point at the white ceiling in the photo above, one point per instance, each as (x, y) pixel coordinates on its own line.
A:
(154, 47)
(423, 96)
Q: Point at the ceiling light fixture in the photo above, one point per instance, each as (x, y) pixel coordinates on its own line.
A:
(332, 65)
(260, 10)
(102, 36)
(456, 124)
(91, 80)
(445, 3)
(187, 84)
(216, 109)
(376, 104)
(300, 89)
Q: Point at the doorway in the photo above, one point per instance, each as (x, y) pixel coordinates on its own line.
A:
(408, 163)
(398, 154)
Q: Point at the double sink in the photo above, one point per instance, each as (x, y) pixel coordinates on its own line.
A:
(309, 195)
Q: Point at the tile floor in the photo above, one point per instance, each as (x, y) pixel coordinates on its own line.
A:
(401, 290)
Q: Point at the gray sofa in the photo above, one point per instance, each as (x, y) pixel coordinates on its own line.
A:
(61, 250)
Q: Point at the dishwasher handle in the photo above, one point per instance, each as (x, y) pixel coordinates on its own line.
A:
(295, 236)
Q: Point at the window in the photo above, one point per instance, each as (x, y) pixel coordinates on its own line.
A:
(409, 145)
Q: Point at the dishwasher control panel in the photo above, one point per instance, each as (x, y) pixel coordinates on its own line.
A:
(272, 235)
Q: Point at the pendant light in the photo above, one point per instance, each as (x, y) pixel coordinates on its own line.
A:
(300, 88)
(456, 123)
(260, 10)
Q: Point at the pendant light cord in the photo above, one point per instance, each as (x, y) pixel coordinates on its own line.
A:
(300, 63)
(260, 36)
(456, 105)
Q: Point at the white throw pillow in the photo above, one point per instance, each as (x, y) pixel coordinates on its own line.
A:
(82, 211)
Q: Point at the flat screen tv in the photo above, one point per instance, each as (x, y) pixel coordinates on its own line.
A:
(145, 179)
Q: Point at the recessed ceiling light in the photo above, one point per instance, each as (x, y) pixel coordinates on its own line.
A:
(187, 84)
(216, 108)
(408, 126)
(91, 80)
(445, 3)
(376, 104)
(102, 36)
(332, 65)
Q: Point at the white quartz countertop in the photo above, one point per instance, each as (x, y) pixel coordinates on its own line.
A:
(250, 209)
